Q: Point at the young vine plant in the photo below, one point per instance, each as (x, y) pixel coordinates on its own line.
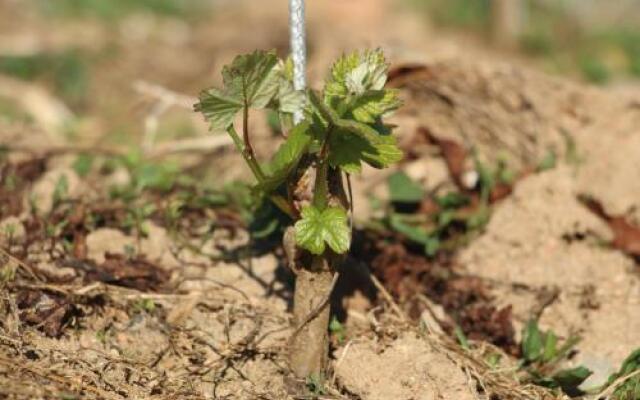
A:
(343, 127)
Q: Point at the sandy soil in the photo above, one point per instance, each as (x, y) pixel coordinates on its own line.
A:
(194, 324)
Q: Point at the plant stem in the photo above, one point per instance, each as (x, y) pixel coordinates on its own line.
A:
(251, 161)
(248, 155)
(248, 149)
(321, 189)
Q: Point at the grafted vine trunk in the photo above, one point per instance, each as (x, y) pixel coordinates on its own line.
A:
(309, 347)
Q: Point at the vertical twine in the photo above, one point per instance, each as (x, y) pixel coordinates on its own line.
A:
(298, 47)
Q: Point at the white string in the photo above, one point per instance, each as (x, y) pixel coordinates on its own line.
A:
(298, 47)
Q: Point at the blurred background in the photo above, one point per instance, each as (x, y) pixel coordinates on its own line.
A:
(96, 71)
(519, 185)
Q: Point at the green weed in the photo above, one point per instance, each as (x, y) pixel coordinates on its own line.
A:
(542, 353)
(67, 72)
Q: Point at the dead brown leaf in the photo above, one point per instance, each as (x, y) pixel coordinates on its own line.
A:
(49, 312)
(402, 74)
(454, 154)
(626, 236)
(136, 273)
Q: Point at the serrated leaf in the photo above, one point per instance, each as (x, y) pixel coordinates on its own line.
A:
(374, 104)
(364, 131)
(253, 77)
(403, 190)
(219, 108)
(287, 157)
(346, 152)
(354, 141)
(249, 81)
(532, 345)
(319, 228)
(328, 115)
(335, 85)
(356, 73)
(386, 153)
(293, 148)
(349, 150)
(289, 99)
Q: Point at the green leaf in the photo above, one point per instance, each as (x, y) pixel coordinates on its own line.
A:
(61, 189)
(348, 150)
(630, 364)
(548, 162)
(354, 141)
(486, 180)
(532, 345)
(289, 100)
(346, 153)
(364, 131)
(287, 157)
(550, 346)
(479, 218)
(629, 390)
(412, 232)
(403, 190)
(445, 217)
(432, 246)
(253, 77)
(317, 228)
(219, 108)
(356, 73)
(386, 152)
(462, 338)
(356, 87)
(328, 114)
(374, 104)
(452, 200)
(293, 148)
(82, 164)
(250, 81)
(337, 329)
(570, 379)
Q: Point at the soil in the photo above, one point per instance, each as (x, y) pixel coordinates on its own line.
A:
(93, 307)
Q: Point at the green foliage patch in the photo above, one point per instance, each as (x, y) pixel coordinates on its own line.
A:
(342, 127)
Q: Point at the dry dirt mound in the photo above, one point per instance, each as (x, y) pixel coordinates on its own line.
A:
(509, 114)
(214, 328)
(403, 370)
(543, 254)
